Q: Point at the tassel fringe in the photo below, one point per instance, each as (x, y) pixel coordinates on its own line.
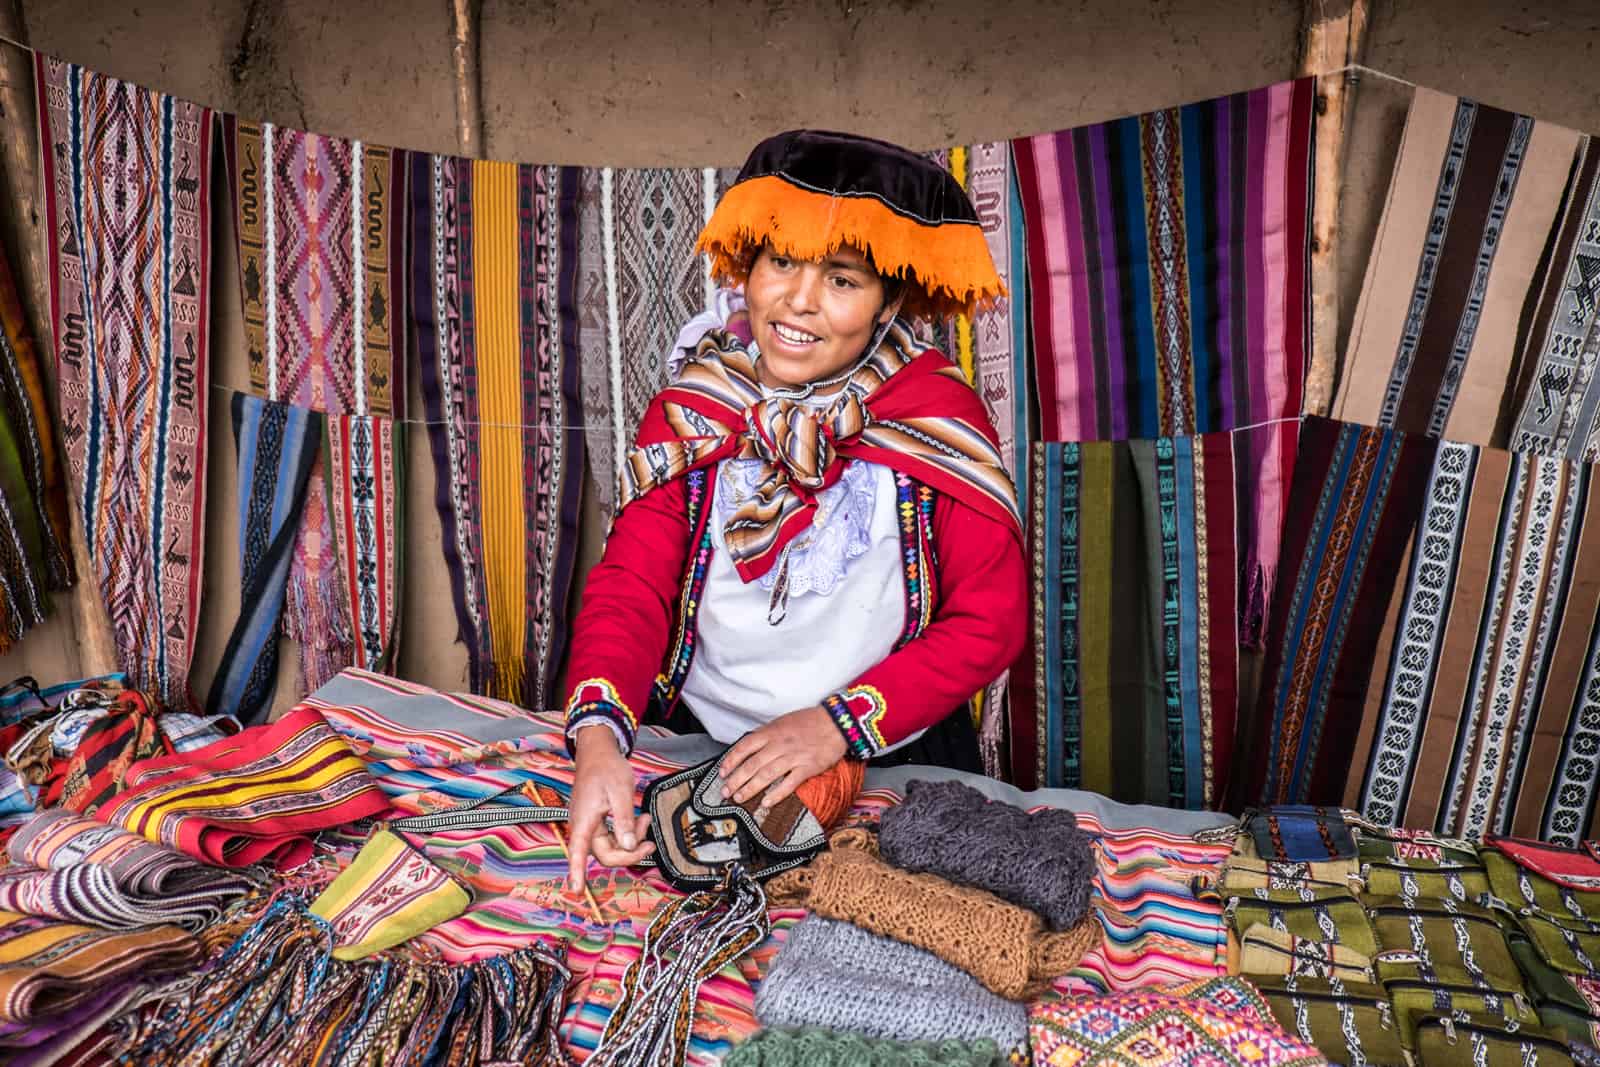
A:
(276, 995)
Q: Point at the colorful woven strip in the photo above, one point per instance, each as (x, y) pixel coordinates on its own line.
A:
(1353, 507)
(1482, 714)
(366, 477)
(277, 445)
(127, 175)
(135, 882)
(496, 323)
(48, 966)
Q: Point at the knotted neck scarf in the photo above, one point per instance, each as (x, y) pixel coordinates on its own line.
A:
(904, 407)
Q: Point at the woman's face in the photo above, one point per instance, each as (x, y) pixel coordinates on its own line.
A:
(812, 319)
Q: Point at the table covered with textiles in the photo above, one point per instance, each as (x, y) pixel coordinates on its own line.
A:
(379, 876)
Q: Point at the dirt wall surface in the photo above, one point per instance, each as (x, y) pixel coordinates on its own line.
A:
(696, 83)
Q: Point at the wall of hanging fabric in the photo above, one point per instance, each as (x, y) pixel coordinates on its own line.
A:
(1440, 662)
(496, 268)
(322, 277)
(1168, 287)
(128, 199)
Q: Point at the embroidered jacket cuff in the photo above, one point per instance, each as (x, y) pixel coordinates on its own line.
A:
(858, 713)
(595, 701)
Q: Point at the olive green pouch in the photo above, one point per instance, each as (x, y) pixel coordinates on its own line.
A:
(1265, 951)
(1459, 945)
(1424, 880)
(1522, 887)
(1446, 1042)
(1413, 999)
(1348, 1022)
(1336, 917)
(1568, 1004)
(1388, 842)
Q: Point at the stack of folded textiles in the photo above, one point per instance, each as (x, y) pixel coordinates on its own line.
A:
(937, 929)
(1402, 948)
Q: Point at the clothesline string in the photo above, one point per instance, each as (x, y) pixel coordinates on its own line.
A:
(230, 391)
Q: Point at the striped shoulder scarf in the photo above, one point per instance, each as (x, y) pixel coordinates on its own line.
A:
(905, 407)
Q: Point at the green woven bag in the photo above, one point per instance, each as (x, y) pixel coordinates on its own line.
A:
(1336, 917)
(1447, 1042)
(1460, 945)
(1348, 1022)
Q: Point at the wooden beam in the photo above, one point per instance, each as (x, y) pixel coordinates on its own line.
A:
(1334, 38)
(464, 17)
(97, 651)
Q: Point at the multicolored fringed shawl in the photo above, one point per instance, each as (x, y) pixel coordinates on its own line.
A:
(48, 966)
(497, 326)
(1168, 264)
(1135, 633)
(277, 445)
(276, 995)
(905, 407)
(1557, 389)
(1222, 1022)
(1483, 710)
(639, 280)
(1352, 509)
(131, 881)
(322, 259)
(128, 198)
(35, 556)
(1470, 209)
(255, 797)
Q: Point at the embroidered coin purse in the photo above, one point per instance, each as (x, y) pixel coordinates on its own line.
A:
(390, 893)
(699, 833)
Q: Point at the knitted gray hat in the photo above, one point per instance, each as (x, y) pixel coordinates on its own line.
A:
(835, 975)
(1040, 861)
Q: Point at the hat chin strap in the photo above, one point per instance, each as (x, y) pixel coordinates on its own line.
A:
(802, 392)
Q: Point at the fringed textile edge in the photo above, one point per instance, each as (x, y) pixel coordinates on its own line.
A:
(949, 263)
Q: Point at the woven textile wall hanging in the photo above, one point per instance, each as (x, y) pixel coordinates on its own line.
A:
(322, 279)
(496, 270)
(127, 176)
(1168, 259)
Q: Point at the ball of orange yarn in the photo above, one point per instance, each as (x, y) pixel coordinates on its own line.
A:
(829, 795)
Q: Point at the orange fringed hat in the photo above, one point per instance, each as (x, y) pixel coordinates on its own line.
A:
(806, 192)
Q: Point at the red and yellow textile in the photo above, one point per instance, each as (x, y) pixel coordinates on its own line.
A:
(255, 797)
(49, 967)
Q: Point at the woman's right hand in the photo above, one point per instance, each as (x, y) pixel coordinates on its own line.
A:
(603, 787)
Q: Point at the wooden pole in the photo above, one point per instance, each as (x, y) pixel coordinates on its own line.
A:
(1334, 37)
(97, 652)
(464, 16)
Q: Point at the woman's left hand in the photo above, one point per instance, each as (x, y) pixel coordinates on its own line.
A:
(780, 755)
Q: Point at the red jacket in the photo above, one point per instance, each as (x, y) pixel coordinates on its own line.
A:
(966, 614)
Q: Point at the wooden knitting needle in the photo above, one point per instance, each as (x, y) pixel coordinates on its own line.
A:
(537, 795)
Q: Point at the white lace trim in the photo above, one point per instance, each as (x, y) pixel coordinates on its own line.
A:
(840, 532)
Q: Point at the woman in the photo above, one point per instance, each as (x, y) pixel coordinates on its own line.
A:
(817, 554)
